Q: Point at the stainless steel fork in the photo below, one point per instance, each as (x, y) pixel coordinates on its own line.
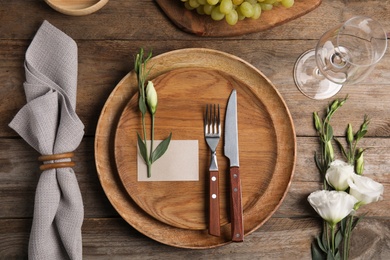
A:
(212, 133)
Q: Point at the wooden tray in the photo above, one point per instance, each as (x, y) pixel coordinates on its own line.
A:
(76, 7)
(267, 166)
(203, 25)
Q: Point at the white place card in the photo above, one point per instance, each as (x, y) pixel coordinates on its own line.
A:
(179, 163)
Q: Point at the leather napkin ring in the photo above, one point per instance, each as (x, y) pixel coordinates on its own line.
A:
(55, 165)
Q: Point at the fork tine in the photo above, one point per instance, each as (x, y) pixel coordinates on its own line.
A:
(218, 122)
(212, 119)
(206, 120)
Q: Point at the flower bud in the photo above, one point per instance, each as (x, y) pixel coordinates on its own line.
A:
(329, 150)
(359, 164)
(151, 97)
(317, 122)
(349, 134)
(335, 105)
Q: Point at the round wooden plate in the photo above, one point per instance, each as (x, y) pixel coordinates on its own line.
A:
(76, 7)
(267, 146)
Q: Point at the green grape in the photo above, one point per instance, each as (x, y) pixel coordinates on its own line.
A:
(266, 7)
(207, 9)
(234, 10)
(200, 9)
(187, 6)
(246, 9)
(232, 17)
(226, 6)
(257, 11)
(287, 3)
(240, 15)
(212, 2)
(216, 14)
(193, 3)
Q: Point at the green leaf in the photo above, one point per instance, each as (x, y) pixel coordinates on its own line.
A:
(341, 148)
(142, 104)
(142, 148)
(329, 255)
(320, 245)
(318, 163)
(316, 254)
(329, 132)
(343, 224)
(357, 220)
(337, 256)
(161, 149)
(360, 134)
(338, 239)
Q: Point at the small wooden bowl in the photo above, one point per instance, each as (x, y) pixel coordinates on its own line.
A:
(76, 7)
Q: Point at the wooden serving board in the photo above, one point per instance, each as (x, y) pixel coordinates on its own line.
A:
(203, 25)
(186, 80)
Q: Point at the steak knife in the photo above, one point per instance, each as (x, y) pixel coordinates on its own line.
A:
(231, 152)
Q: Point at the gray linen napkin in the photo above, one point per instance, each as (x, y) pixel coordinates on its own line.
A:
(48, 122)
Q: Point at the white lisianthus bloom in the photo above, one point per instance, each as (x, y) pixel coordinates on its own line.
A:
(333, 205)
(364, 189)
(151, 97)
(338, 174)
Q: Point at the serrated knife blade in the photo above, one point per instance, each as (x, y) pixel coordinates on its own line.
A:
(231, 151)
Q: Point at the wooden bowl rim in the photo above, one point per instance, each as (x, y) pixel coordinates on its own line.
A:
(76, 12)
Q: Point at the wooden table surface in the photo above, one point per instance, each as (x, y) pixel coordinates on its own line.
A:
(107, 41)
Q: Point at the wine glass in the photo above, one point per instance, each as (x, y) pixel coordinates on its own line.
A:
(345, 54)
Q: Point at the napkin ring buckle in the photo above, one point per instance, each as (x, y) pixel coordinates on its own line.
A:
(53, 164)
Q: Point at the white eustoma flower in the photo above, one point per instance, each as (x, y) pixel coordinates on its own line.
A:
(338, 174)
(333, 205)
(151, 97)
(364, 189)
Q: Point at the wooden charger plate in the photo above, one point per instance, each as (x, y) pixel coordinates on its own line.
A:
(76, 7)
(203, 25)
(186, 80)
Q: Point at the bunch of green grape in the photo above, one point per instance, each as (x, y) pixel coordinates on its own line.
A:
(234, 10)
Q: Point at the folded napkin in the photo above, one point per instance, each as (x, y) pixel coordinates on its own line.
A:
(48, 122)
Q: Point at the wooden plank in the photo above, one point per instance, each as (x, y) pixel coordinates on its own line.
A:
(279, 238)
(19, 175)
(137, 19)
(100, 71)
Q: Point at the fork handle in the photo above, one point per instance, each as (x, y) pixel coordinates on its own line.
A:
(214, 218)
(236, 205)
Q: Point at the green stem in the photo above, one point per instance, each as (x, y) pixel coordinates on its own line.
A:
(152, 139)
(149, 169)
(332, 229)
(347, 237)
(149, 163)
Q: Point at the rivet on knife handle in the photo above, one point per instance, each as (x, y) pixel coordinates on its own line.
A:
(236, 205)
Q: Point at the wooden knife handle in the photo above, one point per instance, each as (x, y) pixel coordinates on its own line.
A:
(236, 205)
(214, 218)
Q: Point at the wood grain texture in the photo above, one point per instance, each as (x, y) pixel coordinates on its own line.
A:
(203, 25)
(107, 41)
(260, 100)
